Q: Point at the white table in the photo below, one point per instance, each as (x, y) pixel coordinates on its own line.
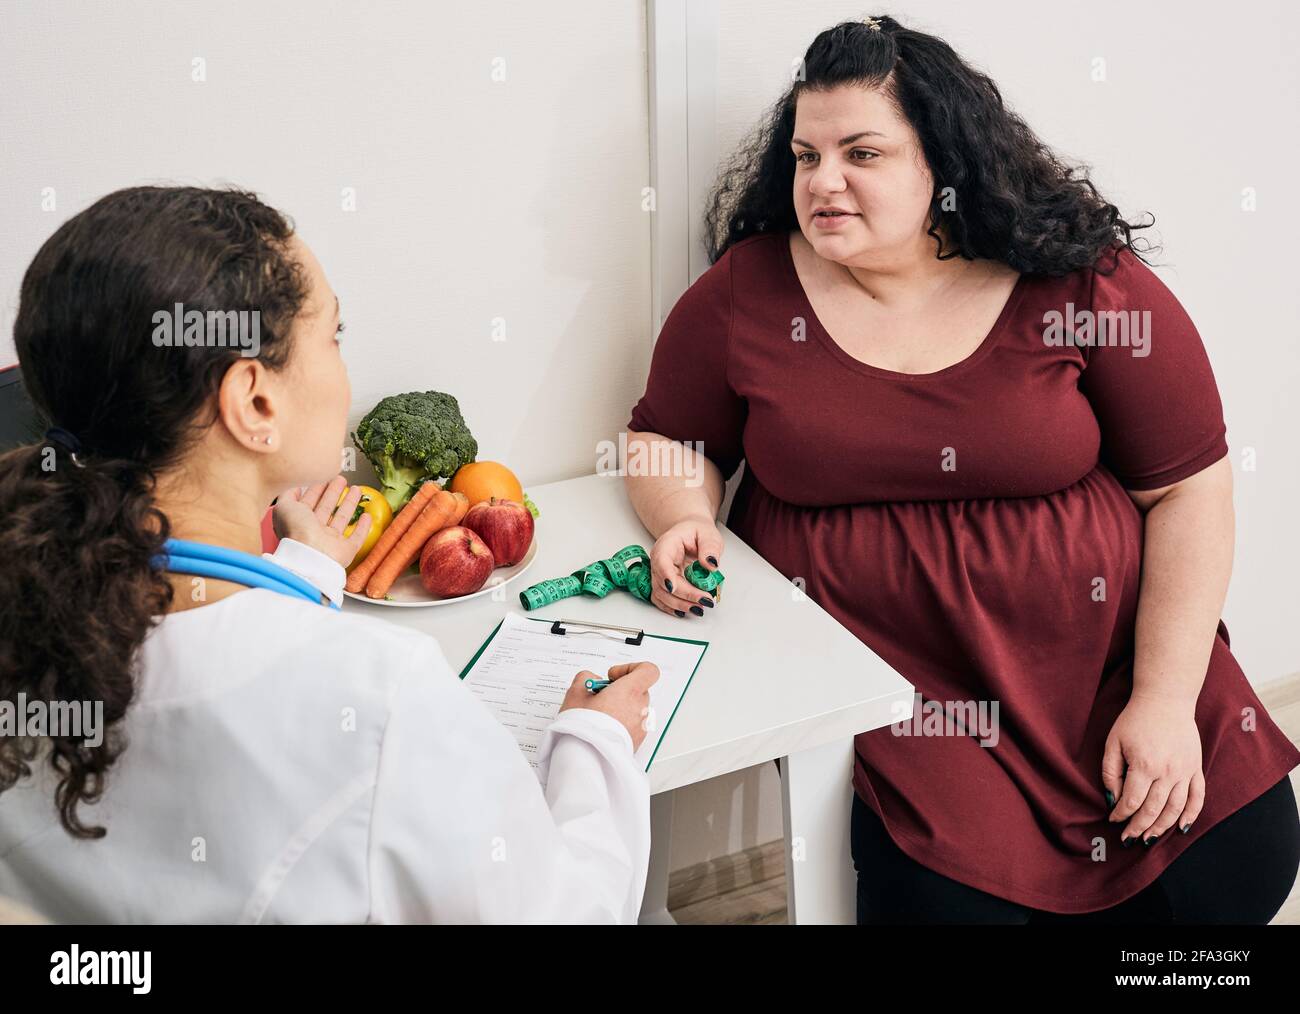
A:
(781, 678)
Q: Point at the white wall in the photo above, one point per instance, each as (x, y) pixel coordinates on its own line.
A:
(475, 199)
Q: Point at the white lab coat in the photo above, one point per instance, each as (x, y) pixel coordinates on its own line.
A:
(287, 763)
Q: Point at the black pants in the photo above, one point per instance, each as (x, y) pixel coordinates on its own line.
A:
(1239, 872)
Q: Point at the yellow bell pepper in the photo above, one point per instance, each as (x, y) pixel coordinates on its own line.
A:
(373, 503)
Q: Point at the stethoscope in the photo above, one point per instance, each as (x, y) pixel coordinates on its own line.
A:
(201, 560)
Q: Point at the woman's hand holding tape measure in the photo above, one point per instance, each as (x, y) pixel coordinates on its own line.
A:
(691, 539)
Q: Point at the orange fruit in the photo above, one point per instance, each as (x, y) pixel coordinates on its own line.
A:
(482, 480)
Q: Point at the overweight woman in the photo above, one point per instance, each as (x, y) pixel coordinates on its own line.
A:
(265, 758)
(1028, 524)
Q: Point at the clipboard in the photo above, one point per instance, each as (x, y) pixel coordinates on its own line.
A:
(522, 675)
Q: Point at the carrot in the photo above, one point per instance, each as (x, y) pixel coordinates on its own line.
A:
(458, 515)
(392, 535)
(433, 518)
(462, 508)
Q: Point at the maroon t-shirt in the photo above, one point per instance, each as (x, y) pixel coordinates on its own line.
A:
(971, 527)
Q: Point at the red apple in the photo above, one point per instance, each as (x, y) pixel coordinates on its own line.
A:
(505, 525)
(454, 562)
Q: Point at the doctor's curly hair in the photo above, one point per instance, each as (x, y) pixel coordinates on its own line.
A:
(1016, 201)
(78, 584)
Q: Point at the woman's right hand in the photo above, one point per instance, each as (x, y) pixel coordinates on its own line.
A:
(626, 699)
(695, 538)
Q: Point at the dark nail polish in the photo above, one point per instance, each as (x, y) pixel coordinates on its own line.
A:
(1148, 841)
(668, 584)
(1126, 842)
(1185, 828)
(697, 610)
(712, 559)
(1110, 799)
(707, 602)
(679, 612)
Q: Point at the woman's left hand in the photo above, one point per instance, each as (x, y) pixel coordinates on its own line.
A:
(309, 516)
(1152, 765)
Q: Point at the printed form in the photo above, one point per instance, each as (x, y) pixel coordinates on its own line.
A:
(524, 672)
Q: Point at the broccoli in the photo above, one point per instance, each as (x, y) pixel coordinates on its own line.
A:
(413, 437)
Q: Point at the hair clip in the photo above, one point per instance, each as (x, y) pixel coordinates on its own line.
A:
(872, 23)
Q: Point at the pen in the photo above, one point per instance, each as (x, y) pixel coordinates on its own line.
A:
(595, 685)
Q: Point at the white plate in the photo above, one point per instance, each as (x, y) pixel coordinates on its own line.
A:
(408, 593)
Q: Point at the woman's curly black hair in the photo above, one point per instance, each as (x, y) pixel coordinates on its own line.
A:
(1016, 201)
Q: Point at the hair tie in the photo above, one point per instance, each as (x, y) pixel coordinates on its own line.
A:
(62, 436)
(59, 435)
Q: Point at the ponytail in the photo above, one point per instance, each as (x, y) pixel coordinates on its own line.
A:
(80, 593)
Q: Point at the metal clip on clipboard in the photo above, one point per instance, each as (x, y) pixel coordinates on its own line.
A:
(631, 635)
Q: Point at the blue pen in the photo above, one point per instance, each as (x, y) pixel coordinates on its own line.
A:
(595, 685)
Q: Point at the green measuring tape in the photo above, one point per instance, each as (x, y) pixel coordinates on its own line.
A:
(628, 569)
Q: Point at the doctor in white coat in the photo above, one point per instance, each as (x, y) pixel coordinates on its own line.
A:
(261, 757)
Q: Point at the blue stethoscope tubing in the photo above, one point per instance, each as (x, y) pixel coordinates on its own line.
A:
(180, 556)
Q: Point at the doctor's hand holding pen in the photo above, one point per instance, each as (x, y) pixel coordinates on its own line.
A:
(624, 695)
